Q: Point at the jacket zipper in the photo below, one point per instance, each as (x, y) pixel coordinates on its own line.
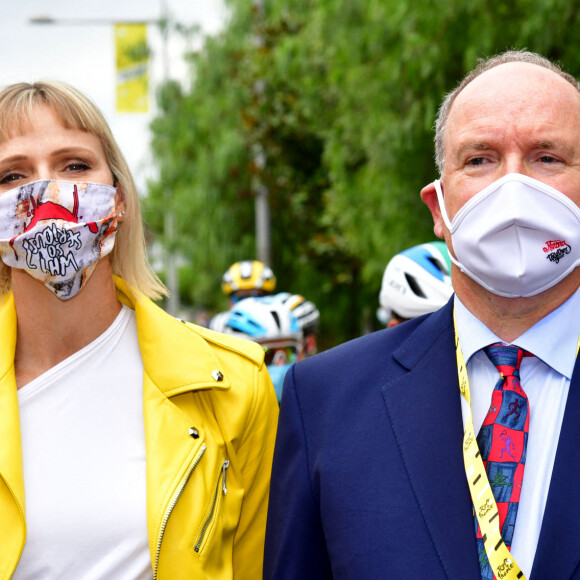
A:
(210, 516)
(176, 496)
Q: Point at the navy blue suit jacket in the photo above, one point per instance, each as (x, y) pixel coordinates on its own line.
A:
(368, 479)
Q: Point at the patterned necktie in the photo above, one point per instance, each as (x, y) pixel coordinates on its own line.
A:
(502, 440)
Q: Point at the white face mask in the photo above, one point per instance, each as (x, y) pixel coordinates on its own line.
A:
(57, 231)
(517, 237)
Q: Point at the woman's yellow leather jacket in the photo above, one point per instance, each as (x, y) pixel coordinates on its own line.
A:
(210, 424)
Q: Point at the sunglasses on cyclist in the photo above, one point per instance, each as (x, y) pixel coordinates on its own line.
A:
(280, 355)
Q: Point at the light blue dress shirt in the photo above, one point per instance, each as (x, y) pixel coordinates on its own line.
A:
(546, 380)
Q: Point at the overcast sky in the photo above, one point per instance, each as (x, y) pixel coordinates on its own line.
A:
(83, 54)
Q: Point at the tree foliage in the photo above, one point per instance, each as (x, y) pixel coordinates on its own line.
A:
(340, 96)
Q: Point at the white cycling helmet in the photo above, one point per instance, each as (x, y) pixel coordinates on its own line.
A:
(417, 281)
(263, 319)
(305, 311)
(218, 322)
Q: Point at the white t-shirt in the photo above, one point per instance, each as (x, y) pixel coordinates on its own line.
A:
(84, 463)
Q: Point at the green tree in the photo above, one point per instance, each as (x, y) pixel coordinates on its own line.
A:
(341, 96)
(203, 158)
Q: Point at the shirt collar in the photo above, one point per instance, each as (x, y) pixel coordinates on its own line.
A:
(563, 323)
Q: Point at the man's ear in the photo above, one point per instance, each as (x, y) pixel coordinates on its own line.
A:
(429, 196)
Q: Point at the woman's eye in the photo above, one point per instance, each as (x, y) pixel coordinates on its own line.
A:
(77, 166)
(9, 178)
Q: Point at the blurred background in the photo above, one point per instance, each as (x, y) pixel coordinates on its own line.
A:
(298, 132)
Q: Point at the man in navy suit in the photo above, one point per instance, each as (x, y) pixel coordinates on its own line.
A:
(369, 477)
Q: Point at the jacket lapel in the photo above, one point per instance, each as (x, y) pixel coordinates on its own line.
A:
(425, 412)
(163, 340)
(558, 552)
(172, 450)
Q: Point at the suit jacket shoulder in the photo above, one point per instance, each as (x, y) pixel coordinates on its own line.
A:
(369, 462)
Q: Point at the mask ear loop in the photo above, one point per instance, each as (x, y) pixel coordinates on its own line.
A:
(437, 184)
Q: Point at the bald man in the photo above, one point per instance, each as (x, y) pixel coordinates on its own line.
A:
(447, 447)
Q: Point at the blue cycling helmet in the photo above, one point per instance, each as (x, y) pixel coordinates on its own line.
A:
(263, 319)
(417, 281)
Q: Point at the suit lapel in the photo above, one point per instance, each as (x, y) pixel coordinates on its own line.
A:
(558, 554)
(425, 413)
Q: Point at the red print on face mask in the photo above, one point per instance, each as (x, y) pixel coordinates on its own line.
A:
(49, 210)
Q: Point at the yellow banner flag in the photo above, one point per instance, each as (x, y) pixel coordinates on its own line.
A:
(132, 57)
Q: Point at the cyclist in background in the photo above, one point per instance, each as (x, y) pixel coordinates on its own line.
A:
(308, 318)
(416, 281)
(248, 278)
(269, 322)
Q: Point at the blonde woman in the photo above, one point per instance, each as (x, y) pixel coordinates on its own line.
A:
(133, 445)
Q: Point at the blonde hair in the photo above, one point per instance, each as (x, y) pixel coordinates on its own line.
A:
(76, 111)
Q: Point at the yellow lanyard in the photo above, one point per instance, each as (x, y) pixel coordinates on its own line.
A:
(501, 561)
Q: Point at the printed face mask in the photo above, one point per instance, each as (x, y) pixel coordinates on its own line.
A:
(517, 237)
(57, 231)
